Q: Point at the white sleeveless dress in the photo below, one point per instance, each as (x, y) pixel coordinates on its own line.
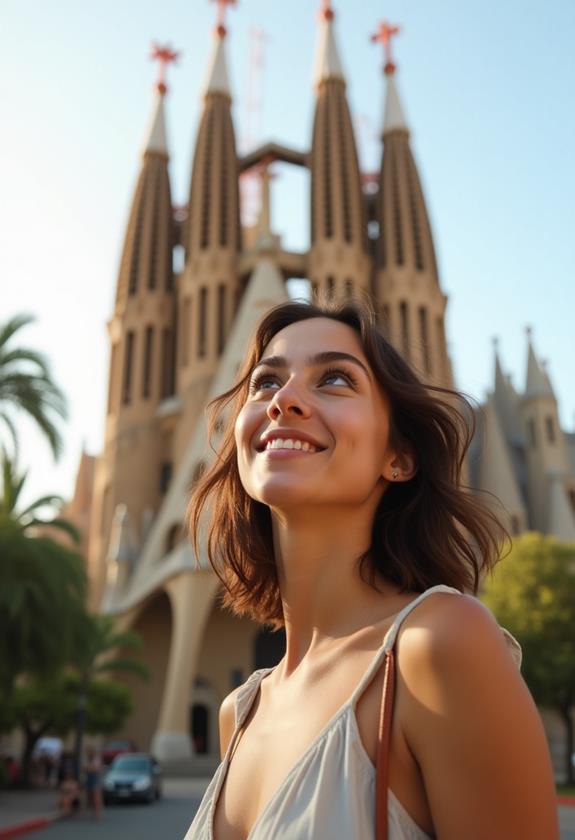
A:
(329, 794)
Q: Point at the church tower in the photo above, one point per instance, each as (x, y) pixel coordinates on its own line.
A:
(338, 259)
(142, 338)
(209, 291)
(409, 297)
(546, 454)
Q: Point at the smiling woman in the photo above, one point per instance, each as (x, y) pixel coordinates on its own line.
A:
(337, 511)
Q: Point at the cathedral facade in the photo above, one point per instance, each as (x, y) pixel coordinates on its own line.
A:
(178, 338)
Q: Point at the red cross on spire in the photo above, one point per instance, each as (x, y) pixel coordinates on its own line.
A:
(385, 32)
(164, 55)
(326, 12)
(221, 22)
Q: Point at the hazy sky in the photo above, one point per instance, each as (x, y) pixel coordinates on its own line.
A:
(488, 91)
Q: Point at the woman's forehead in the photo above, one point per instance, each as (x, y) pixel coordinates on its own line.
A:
(313, 336)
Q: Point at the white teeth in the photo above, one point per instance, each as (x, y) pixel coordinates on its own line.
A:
(290, 443)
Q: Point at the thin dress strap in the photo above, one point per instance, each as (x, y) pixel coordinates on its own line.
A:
(390, 637)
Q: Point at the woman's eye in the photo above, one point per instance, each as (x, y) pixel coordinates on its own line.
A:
(263, 383)
(337, 377)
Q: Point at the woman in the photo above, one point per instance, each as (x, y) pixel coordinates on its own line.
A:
(336, 511)
(93, 782)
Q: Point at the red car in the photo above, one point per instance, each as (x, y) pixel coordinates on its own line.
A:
(113, 748)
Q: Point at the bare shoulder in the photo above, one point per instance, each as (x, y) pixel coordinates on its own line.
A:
(447, 626)
(471, 724)
(227, 719)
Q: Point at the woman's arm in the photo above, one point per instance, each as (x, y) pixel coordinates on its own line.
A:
(473, 727)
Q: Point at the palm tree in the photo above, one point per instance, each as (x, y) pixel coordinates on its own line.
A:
(100, 649)
(26, 385)
(42, 584)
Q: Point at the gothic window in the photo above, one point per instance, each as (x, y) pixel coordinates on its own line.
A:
(221, 318)
(167, 384)
(347, 231)
(207, 175)
(148, 356)
(396, 212)
(550, 429)
(404, 321)
(328, 199)
(128, 364)
(424, 338)
(202, 322)
(224, 198)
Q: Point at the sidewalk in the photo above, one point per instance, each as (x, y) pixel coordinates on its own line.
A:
(24, 811)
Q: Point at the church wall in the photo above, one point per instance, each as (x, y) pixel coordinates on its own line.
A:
(154, 626)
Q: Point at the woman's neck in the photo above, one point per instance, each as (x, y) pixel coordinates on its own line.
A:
(323, 595)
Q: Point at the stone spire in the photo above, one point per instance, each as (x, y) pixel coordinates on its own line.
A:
(407, 288)
(506, 401)
(142, 343)
(537, 382)
(339, 261)
(214, 220)
(156, 135)
(208, 288)
(496, 473)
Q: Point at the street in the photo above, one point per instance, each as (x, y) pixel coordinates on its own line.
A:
(168, 819)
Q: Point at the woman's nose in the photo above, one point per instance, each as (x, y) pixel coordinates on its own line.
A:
(287, 401)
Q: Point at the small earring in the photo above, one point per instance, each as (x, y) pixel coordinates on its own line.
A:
(394, 474)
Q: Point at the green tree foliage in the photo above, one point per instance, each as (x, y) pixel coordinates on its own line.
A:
(532, 594)
(42, 585)
(51, 705)
(26, 385)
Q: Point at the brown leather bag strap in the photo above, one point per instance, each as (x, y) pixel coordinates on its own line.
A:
(383, 742)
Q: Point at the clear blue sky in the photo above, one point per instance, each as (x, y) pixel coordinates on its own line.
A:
(487, 89)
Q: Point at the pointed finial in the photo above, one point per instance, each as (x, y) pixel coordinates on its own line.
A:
(164, 55)
(495, 342)
(529, 331)
(326, 12)
(221, 22)
(385, 32)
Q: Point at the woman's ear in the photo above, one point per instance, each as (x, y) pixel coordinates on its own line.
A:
(400, 466)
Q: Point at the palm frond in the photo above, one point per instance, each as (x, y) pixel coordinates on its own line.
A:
(8, 422)
(12, 325)
(60, 525)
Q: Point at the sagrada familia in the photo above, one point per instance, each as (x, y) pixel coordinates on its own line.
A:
(177, 339)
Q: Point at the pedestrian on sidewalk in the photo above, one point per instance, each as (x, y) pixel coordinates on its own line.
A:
(93, 772)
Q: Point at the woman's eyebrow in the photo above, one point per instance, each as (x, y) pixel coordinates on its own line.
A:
(325, 357)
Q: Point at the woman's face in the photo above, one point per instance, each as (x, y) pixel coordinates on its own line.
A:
(314, 429)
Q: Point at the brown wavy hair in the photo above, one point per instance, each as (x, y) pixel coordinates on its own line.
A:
(426, 531)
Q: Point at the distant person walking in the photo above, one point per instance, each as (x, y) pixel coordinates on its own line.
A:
(93, 782)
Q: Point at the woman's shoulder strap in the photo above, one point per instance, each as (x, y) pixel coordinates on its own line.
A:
(391, 635)
(246, 694)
